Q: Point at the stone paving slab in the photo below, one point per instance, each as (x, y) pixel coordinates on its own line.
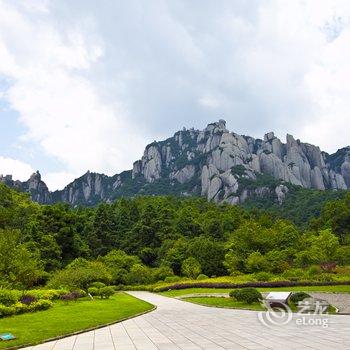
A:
(176, 324)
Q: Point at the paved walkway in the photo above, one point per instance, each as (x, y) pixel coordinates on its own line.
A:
(340, 300)
(180, 325)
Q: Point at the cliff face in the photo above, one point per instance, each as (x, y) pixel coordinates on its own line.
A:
(225, 161)
(35, 186)
(216, 163)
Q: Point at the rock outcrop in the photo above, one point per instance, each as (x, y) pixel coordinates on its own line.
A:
(216, 163)
(34, 186)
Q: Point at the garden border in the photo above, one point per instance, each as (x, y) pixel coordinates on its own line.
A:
(273, 284)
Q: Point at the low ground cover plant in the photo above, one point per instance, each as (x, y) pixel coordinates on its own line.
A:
(15, 302)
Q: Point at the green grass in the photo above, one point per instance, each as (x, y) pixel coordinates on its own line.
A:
(329, 289)
(63, 319)
(229, 303)
(225, 303)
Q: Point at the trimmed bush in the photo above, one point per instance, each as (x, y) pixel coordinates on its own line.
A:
(48, 294)
(21, 308)
(106, 292)
(9, 297)
(146, 287)
(93, 291)
(41, 305)
(202, 276)
(97, 285)
(247, 295)
(6, 311)
(172, 279)
(272, 284)
(298, 296)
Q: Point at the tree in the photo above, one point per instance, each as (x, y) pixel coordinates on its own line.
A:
(324, 246)
(209, 253)
(139, 274)
(256, 262)
(336, 215)
(277, 260)
(19, 268)
(232, 263)
(80, 274)
(119, 264)
(191, 268)
(176, 254)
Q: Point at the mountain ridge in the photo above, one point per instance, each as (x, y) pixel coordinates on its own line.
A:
(221, 165)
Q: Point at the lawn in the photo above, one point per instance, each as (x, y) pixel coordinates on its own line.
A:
(329, 289)
(225, 302)
(230, 303)
(63, 319)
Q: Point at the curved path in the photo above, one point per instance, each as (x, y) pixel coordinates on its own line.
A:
(180, 325)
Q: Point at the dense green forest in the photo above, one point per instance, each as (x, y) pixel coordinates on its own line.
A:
(149, 238)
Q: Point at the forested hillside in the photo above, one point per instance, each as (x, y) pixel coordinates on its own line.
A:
(146, 239)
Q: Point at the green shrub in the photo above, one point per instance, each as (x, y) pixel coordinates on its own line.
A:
(191, 267)
(324, 277)
(40, 305)
(298, 296)
(202, 276)
(48, 294)
(314, 270)
(97, 285)
(9, 297)
(6, 310)
(247, 295)
(142, 287)
(139, 274)
(79, 293)
(80, 274)
(21, 308)
(160, 273)
(171, 279)
(106, 292)
(263, 276)
(293, 274)
(93, 291)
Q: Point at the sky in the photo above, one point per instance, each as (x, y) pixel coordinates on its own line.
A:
(86, 84)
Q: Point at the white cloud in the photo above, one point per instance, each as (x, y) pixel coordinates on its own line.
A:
(209, 101)
(89, 82)
(19, 170)
(59, 180)
(57, 103)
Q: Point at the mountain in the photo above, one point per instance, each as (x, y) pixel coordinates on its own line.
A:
(34, 186)
(220, 165)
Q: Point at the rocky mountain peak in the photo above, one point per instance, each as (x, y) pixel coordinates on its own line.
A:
(221, 165)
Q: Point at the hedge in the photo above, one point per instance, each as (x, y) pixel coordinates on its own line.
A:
(272, 284)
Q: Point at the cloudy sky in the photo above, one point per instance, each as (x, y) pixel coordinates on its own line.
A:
(86, 84)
